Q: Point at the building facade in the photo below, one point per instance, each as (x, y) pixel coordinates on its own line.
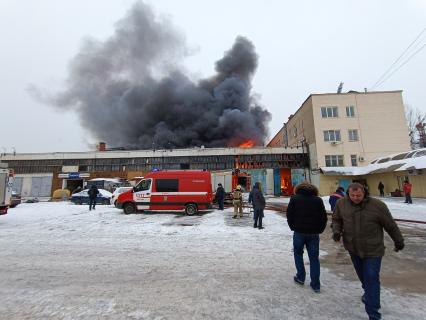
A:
(346, 129)
(38, 175)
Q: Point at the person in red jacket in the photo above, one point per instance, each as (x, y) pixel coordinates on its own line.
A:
(407, 191)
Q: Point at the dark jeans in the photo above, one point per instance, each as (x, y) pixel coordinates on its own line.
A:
(312, 246)
(92, 203)
(408, 198)
(368, 271)
(257, 216)
(382, 193)
(220, 202)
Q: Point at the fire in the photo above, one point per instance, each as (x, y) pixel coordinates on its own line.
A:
(247, 144)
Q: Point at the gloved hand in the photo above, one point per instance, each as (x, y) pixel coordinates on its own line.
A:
(336, 237)
(399, 246)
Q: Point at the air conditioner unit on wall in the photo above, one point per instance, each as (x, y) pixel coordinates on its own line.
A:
(361, 159)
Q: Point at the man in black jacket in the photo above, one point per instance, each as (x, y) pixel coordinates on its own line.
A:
(257, 199)
(93, 193)
(306, 216)
(220, 195)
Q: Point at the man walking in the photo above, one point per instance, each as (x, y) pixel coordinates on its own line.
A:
(257, 199)
(238, 202)
(407, 191)
(220, 195)
(361, 220)
(93, 193)
(306, 216)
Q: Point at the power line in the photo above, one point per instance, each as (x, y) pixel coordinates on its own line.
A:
(403, 64)
(397, 60)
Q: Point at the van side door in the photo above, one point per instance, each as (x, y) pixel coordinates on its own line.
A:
(166, 194)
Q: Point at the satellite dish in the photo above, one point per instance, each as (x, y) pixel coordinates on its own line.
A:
(339, 89)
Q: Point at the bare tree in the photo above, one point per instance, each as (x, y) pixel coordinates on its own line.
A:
(414, 117)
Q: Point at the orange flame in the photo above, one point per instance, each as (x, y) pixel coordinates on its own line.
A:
(247, 144)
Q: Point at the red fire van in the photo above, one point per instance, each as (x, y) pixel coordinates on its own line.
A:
(188, 190)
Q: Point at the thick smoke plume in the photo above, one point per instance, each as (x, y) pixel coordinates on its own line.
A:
(131, 92)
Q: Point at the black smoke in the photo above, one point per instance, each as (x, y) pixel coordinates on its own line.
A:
(130, 90)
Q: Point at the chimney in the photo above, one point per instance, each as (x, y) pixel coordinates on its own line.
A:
(102, 146)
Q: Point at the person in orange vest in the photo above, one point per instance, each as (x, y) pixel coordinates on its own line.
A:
(338, 194)
(407, 191)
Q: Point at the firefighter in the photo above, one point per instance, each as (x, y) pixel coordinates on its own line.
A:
(238, 202)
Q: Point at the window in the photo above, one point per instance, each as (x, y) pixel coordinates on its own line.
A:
(353, 134)
(143, 185)
(334, 161)
(329, 112)
(354, 160)
(332, 135)
(166, 185)
(350, 111)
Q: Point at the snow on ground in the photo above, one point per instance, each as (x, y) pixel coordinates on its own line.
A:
(396, 205)
(62, 261)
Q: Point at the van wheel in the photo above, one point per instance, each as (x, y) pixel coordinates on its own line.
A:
(191, 209)
(129, 208)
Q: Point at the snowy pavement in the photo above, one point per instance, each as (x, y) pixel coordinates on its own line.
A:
(62, 261)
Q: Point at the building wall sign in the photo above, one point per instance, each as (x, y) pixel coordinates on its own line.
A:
(74, 175)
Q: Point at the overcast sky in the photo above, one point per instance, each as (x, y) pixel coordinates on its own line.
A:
(304, 47)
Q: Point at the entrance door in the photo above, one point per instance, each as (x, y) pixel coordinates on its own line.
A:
(344, 183)
(74, 185)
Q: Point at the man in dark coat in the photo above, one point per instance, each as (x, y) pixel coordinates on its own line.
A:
(220, 195)
(306, 216)
(381, 188)
(361, 220)
(340, 193)
(93, 193)
(257, 199)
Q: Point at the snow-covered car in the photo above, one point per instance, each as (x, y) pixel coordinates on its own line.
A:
(82, 197)
(117, 192)
(15, 199)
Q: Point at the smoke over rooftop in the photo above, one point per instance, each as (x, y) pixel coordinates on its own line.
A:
(131, 90)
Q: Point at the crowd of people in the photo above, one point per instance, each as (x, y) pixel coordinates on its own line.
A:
(358, 220)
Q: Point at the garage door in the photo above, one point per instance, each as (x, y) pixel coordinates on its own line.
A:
(41, 186)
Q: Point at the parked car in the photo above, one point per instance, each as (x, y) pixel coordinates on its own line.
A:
(15, 199)
(82, 197)
(117, 192)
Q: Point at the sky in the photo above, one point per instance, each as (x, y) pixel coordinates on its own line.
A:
(304, 47)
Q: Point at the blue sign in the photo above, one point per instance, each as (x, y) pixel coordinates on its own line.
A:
(73, 175)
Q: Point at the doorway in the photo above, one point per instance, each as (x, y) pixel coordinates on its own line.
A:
(74, 185)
